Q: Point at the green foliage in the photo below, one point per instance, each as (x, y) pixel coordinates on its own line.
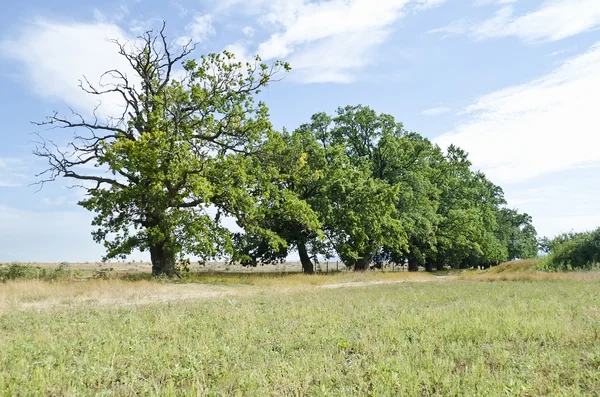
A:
(518, 233)
(369, 191)
(571, 251)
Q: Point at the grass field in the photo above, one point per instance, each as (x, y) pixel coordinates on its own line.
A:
(390, 334)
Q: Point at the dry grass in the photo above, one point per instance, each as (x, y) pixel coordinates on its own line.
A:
(39, 294)
(525, 270)
(43, 294)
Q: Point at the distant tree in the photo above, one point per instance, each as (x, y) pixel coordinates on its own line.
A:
(162, 163)
(549, 244)
(518, 234)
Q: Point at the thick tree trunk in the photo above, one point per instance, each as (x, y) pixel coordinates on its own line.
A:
(163, 261)
(413, 265)
(428, 267)
(362, 263)
(307, 265)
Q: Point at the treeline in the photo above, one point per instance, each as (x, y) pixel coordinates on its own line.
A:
(370, 192)
(194, 147)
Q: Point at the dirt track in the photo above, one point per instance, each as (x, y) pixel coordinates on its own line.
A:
(99, 294)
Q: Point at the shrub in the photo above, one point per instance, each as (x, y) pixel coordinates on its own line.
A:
(17, 271)
(573, 251)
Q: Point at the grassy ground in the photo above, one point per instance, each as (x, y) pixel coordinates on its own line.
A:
(305, 336)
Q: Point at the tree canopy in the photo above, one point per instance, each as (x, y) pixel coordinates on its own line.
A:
(377, 193)
(193, 145)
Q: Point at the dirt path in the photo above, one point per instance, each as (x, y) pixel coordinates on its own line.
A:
(368, 283)
(164, 294)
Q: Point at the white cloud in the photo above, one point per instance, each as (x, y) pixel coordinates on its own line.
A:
(555, 53)
(425, 4)
(554, 20)
(479, 3)
(317, 21)
(459, 26)
(55, 56)
(335, 59)
(248, 31)
(435, 111)
(199, 30)
(327, 41)
(496, 26)
(532, 129)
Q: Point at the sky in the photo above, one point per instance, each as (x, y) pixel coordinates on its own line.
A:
(516, 83)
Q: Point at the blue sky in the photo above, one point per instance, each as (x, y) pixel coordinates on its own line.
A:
(516, 83)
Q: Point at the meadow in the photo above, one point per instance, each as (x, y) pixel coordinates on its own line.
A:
(339, 334)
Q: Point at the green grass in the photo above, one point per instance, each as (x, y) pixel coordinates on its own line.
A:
(452, 338)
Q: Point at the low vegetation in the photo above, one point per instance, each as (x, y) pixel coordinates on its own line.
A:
(569, 251)
(438, 338)
(17, 271)
(527, 270)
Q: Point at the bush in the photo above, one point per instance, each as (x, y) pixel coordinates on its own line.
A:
(573, 251)
(18, 271)
(13, 272)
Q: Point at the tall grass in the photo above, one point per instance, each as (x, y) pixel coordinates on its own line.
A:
(424, 339)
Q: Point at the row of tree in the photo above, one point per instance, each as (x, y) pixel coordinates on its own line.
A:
(188, 151)
(373, 193)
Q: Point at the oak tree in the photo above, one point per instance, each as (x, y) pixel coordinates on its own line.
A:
(153, 172)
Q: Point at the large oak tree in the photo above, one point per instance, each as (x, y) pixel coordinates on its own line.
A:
(153, 172)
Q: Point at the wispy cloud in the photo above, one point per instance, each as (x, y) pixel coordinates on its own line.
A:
(528, 130)
(327, 41)
(479, 3)
(459, 26)
(435, 111)
(53, 71)
(555, 53)
(248, 31)
(199, 29)
(552, 21)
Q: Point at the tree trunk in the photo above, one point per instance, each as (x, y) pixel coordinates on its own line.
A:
(413, 265)
(163, 261)
(428, 267)
(362, 263)
(439, 265)
(307, 265)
